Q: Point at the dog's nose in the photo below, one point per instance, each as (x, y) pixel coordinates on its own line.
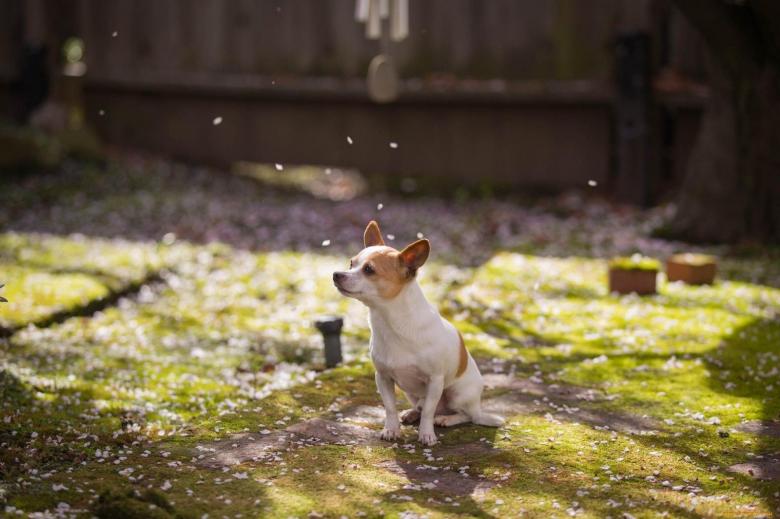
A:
(338, 276)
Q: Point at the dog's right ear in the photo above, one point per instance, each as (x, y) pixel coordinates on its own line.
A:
(372, 235)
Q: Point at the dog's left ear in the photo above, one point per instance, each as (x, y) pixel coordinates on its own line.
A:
(415, 254)
(372, 235)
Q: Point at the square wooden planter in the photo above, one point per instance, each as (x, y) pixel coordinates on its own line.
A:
(693, 269)
(633, 275)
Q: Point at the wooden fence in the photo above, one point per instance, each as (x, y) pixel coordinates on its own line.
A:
(516, 92)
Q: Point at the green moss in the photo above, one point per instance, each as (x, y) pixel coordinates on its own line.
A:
(25, 149)
(635, 262)
(34, 294)
(690, 258)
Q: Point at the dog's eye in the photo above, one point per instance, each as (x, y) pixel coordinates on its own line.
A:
(368, 270)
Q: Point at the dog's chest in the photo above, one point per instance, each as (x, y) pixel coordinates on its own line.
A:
(403, 368)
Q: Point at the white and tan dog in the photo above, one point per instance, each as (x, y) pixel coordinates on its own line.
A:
(411, 344)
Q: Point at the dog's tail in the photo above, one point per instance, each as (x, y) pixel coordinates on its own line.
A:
(488, 419)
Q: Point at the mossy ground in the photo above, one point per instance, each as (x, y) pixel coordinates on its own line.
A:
(134, 396)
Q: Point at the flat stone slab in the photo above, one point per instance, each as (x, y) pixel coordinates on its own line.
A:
(262, 447)
(433, 478)
(759, 469)
(337, 433)
(554, 391)
(371, 414)
(242, 448)
(761, 427)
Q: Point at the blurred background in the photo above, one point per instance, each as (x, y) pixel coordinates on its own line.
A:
(502, 96)
(535, 97)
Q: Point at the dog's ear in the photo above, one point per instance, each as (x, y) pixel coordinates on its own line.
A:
(372, 235)
(415, 254)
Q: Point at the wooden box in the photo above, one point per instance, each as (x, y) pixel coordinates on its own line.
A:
(693, 269)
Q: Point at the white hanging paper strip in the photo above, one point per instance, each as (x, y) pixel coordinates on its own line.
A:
(374, 24)
(361, 11)
(399, 20)
(384, 9)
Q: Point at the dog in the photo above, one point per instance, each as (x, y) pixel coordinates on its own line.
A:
(412, 346)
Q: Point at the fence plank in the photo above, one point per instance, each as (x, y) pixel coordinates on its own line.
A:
(512, 39)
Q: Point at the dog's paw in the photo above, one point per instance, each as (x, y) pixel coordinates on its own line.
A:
(410, 416)
(427, 438)
(390, 434)
(448, 420)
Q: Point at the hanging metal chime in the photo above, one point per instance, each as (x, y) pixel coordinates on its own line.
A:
(382, 79)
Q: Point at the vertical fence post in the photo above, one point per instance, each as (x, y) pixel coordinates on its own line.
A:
(632, 118)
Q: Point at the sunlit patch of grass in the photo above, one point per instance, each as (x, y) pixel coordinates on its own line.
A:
(50, 275)
(34, 294)
(119, 259)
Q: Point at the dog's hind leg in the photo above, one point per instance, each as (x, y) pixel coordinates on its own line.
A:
(480, 417)
(411, 416)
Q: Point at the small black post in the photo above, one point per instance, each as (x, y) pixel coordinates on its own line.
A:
(330, 327)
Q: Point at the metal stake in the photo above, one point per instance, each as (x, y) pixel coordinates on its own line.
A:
(330, 327)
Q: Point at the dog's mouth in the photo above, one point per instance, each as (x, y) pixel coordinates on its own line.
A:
(345, 291)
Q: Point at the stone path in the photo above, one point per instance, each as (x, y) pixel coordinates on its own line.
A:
(765, 466)
(765, 427)
(768, 469)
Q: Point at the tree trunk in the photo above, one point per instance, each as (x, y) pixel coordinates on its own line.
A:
(732, 186)
(731, 190)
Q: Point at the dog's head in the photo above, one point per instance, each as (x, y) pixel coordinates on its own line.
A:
(379, 272)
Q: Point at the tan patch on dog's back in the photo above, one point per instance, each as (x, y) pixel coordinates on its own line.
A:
(390, 275)
(464, 357)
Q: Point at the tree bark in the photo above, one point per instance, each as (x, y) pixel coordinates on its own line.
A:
(731, 190)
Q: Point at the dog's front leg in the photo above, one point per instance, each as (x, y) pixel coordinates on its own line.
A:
(432, 397)
(386, 387)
